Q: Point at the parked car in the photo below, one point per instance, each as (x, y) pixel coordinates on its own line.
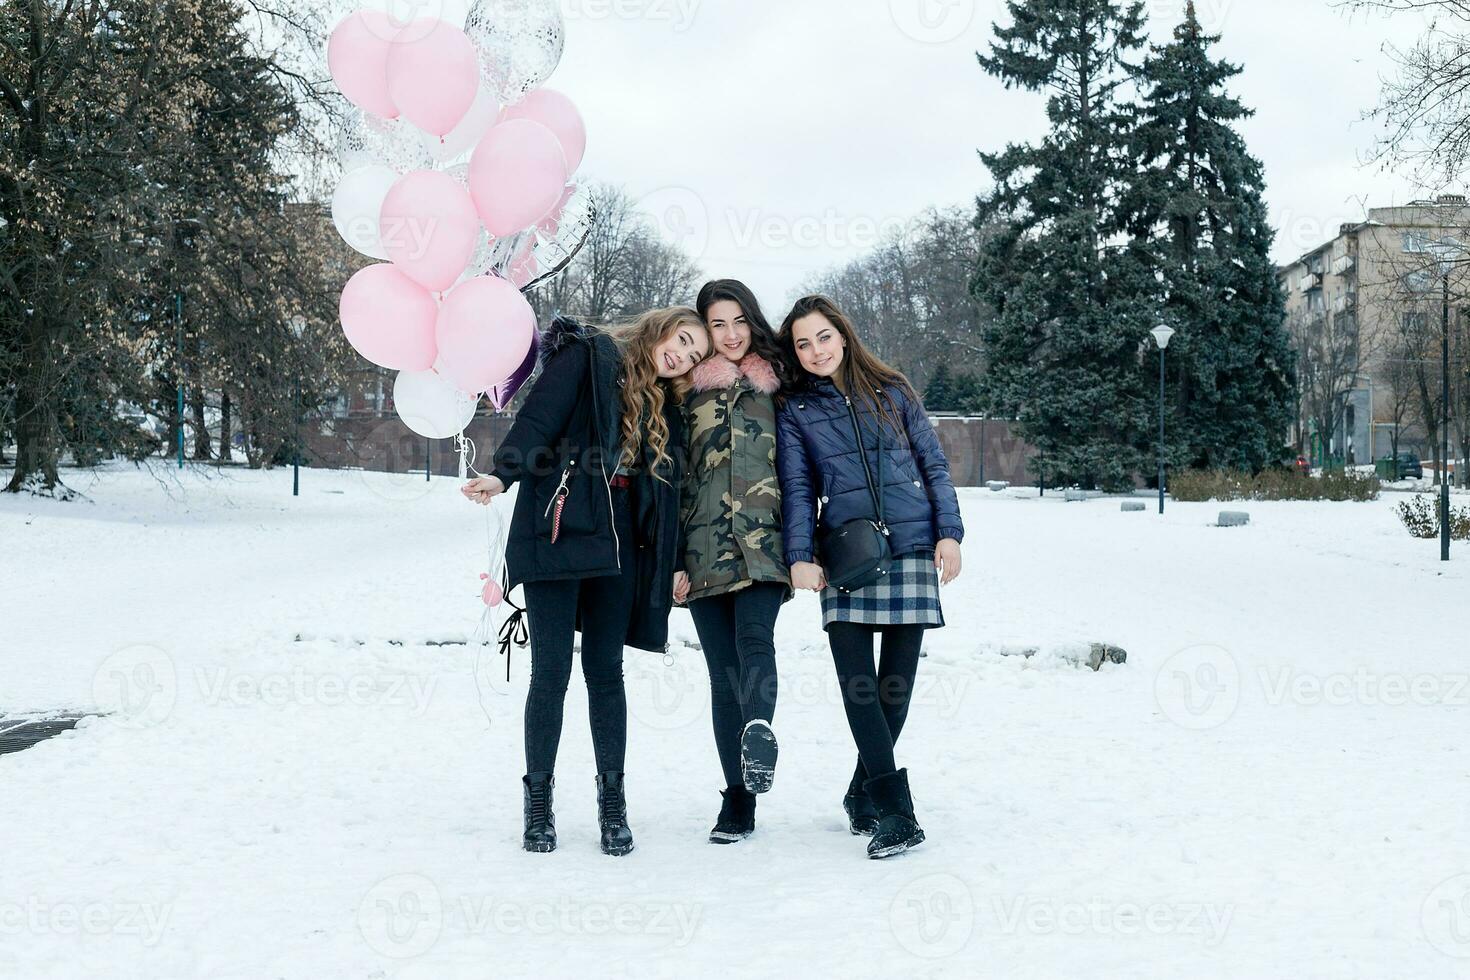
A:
(1410, 466)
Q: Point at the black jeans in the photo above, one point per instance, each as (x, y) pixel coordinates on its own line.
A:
(606, 606)
(737, 632)
(876, 700)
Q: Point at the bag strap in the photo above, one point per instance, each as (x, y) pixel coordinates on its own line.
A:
(875, 492)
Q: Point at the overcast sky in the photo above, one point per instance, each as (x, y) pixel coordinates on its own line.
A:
(778, 138)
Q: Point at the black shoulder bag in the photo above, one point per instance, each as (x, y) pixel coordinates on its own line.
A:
(857, 554)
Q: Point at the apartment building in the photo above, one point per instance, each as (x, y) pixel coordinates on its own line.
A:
(1360, 292)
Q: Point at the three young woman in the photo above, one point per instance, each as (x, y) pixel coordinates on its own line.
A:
(608, 518)
(598, 449)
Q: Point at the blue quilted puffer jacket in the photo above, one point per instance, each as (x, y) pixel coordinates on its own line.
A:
(820, 470)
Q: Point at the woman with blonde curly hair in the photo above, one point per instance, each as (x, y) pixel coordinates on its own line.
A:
(599, 450)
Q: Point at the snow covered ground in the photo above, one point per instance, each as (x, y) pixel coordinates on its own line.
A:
(295, 783)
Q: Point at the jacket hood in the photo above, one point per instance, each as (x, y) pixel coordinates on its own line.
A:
(563, 331)
(717, 372)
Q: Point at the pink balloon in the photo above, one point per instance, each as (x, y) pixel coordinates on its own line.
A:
(357, 56)
(428, 228)
(485, 328)
(557, 113)
(490, 592)
(389, 319)
(516, 176)
(433, 75)
(551, 224)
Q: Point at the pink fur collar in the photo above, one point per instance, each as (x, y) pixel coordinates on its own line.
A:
(716, 372)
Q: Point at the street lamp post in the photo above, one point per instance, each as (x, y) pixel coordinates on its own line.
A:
(1446, 252)
(298, 327)
(179, 344)
(1444, 413)
(1162, 334)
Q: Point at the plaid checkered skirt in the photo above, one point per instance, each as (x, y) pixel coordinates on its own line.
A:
(907, 595)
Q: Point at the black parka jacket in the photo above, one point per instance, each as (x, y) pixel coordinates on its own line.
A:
(568, 434)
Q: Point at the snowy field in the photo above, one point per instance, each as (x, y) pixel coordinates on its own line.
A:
(297, 781)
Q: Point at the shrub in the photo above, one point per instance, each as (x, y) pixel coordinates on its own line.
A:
(1201, 485)
(1421, 517)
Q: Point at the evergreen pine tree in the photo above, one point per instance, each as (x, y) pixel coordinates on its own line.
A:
(1072, 310)
(939, 394)
(968, 398)
(1200, 199)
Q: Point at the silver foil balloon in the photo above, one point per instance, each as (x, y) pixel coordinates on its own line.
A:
(482, 261)
(519, 43)
(555, 252)
(505, 251)
(367, 139)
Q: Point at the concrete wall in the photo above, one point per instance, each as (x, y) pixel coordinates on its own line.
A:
(978, 450)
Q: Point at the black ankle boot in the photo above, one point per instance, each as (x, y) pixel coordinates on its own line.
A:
(897, 830)
(737, 816)
(612, 814)
(758, 753)
(862, 816)
(540, 835)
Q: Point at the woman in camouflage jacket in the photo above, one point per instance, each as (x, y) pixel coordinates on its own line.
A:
(736, 577)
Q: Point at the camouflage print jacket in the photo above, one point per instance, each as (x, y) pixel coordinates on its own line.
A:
(732, 501)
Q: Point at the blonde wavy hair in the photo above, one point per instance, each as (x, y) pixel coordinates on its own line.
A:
(644, 393)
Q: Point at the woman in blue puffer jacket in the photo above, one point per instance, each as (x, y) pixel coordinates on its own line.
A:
(852, 410)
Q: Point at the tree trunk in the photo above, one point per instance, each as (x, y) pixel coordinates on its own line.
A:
(225, 436)
(36, 439)
(202, 447)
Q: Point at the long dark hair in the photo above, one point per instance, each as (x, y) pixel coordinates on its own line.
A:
(862, 373)
(762, 337)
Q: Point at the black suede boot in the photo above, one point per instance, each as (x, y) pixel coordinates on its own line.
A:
(862, 817)
(897, 829)
(737, 816)
(540, 835)
(612, 814)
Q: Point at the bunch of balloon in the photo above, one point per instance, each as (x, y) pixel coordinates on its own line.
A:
(457, 171)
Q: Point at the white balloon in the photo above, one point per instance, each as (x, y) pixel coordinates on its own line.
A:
(431, 406)
(463, 138)
(356, 207)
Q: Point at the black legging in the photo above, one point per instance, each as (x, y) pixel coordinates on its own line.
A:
(606, 606)
(876, 700)
(737, 632)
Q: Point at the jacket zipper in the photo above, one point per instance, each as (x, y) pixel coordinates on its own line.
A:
(561, 491)
(602, 456)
